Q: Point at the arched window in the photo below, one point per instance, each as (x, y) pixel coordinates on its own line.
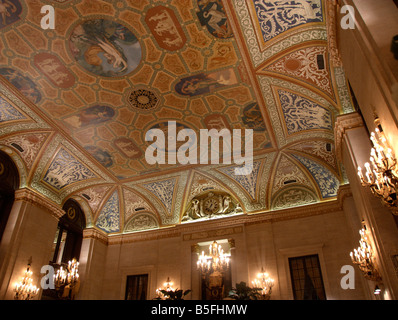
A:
(9, 182)
(69, 235)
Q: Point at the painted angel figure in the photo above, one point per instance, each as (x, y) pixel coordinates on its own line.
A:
(112, 54)
(6, 8)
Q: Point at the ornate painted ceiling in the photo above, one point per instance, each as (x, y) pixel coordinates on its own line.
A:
(76, 102)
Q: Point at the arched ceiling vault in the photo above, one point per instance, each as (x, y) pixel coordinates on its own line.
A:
(77, 101)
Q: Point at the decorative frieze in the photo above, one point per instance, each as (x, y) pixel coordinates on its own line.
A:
(212, 233)
(232, 225)
(331, 24)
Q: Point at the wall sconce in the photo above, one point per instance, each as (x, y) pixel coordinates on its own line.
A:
(381, 173)
(167, 287)
(377, 290)
(169, 293)
(67, 281)
(363, 257)
(25, 290)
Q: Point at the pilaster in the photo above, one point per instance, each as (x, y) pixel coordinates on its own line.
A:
(92, 264)
(353, 144)
(29, 233)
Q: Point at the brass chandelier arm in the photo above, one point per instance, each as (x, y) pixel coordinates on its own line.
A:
(363, 258)
(381, 174)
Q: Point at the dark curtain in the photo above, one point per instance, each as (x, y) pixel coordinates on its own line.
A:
(137, 287)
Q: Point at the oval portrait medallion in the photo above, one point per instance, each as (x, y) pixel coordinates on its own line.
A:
(105, 48)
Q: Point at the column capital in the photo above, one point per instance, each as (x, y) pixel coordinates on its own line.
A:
(92, 233)
(195, 248)
(36, 199)
(343, 123)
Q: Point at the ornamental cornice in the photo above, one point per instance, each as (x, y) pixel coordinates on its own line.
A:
(36, 199)
(343, 123)
(215, 228)
(95, 234)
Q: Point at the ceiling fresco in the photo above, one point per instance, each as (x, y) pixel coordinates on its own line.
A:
(76, 102)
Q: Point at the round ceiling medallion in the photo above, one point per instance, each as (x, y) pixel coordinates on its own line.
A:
(143, 99)
(105, 48)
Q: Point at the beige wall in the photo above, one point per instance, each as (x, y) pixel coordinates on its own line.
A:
(263, 240)
(268, 244)
(91, 268)
(381, 20)
(382, 229)
(373, 73)
(105, 264)
(368, 63)
(29, 233)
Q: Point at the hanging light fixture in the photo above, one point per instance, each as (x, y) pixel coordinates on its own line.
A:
(25, 290)
(217, 260)
(381, 174)
(363, 257)
(264, 284)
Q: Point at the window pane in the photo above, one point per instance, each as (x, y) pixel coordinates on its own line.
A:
(306, 278)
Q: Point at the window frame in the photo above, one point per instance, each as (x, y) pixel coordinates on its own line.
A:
(137, 276)
(292, 252)
(304, 259)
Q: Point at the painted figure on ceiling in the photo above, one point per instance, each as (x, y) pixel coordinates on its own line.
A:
(91, 116)
(9, 12)
(253, 118)
(276, 17)
(101, 155)
(105, 48)
(212, 15)
(206, 83)
(24, 84)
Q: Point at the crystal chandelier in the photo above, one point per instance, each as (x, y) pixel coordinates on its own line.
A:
(217, 260)
(24, 290)
(381, 173)
(67, 281)
(264, 284)
(363, 257)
